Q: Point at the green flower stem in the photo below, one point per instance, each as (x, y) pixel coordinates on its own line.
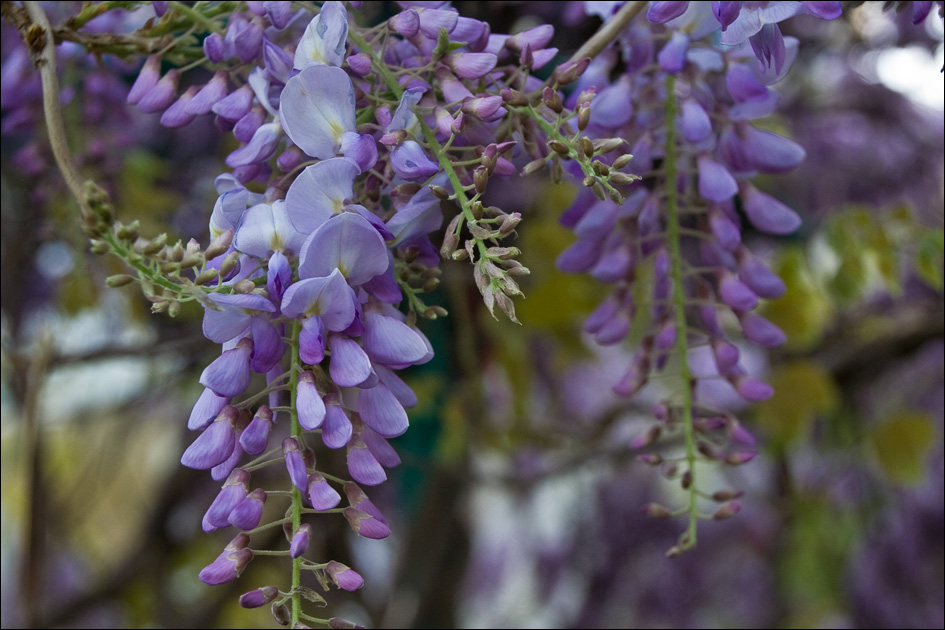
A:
(458, 189)
(296, 430)
(554, 133)
(688, 539)
(392, 84)
(196, 16)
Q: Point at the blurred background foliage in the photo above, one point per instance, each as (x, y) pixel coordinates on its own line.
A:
(519, 500)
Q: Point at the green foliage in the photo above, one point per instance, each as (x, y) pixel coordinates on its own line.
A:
(902, 442)
(803, 390)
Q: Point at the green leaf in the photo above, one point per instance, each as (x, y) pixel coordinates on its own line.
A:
(902, 443)
(802, 391)
(929, 258)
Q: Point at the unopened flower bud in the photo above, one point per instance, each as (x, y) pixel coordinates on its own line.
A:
(219, 245)
(342, 624)
(584, 117)
(622, 179)
(707, 451)
(608, 144)
(622, 161)
(560, 148)
(727, 510)
(229, 264)
(156, 245)
(648, 437)
(655, 510)
(739, 458)
(439, 192)
(506, 305)
(534, 166)
(244, 286)
(206, 276)
(434, 312)
(281, 614)
(176, 252)
(128, 233)
(119, 280)
(480, 179)
(514, 97)
(726, 495)
(343, 576)
(300, 540)
(551, 98)
(571, 71)
(258, 597)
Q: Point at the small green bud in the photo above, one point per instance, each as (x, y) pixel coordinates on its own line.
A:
(219, 245)
(607, 145)
(655, 510)
(584, 117)
(119, 280)
(550, 97)
(244, 286)
(622, 161)
(621, 179)
(229, 263)
(534, 166)
(207, 275)
(560, 148)
(100, 248)
(155, 245)
(128, 233)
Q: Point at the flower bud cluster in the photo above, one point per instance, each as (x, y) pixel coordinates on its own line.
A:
(301, 282)
(686, 113)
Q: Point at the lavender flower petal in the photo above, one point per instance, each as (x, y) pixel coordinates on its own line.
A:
(337, 429)
(317, 108)
(346, 242)
(319, 193)
(381, 411)
(309, 403)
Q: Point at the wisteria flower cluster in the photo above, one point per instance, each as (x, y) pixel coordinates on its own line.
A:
(328, 229)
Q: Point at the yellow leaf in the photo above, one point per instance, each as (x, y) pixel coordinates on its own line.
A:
(902, 443)
(802, 391)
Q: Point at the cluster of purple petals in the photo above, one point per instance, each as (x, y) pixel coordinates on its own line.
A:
(720, 89)
(21, 107)
(304, 256)
(312, 260)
